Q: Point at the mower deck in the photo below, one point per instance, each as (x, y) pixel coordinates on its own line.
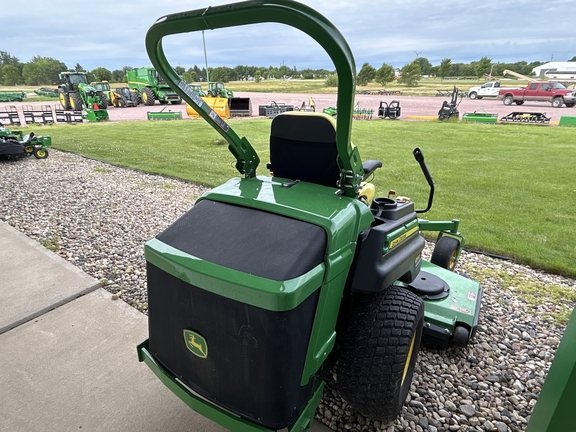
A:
(451, 301)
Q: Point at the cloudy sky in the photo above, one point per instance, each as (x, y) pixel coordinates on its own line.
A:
(110, 33)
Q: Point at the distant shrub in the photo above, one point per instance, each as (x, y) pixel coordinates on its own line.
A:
(331, 81)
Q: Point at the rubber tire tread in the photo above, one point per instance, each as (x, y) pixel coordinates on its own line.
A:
(443, 251)
(66, 103)
(151, 99)
(373, 356)
(76, 102)
(103, 101)
(36, 154)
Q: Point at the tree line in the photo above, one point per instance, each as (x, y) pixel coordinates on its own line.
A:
(44, 71)
(411, 73)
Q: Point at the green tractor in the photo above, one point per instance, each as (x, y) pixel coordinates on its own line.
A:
(76, 94)
(151, 87)
(270, 280)
(239, 106)
(197, 88)
(217, 89)
(103, 87)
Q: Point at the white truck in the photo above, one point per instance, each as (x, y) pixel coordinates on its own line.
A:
(489, 89)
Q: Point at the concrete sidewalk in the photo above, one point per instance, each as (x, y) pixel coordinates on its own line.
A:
(68, 352)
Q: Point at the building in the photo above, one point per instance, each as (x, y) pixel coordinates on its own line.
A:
(559, 67)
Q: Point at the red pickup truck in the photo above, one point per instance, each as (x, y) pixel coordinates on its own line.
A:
(548, 91)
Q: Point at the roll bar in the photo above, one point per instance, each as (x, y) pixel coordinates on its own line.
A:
(286, 12)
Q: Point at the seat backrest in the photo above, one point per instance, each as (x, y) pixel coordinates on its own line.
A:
(303, 147)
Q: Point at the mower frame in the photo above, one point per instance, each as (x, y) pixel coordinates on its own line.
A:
(346, 220)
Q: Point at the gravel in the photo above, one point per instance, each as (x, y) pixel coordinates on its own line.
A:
(98, 216)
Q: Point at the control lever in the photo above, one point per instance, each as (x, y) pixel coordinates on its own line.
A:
(419, 156)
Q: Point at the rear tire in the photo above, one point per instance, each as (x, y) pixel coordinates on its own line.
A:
(519, 102)
(569, 105)
(445, 252)
(557, 102)
(377, 359)
(473, 95)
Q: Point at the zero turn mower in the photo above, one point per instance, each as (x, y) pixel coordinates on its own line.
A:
(269, 280)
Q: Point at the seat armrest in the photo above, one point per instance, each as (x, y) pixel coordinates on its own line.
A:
(370, 166)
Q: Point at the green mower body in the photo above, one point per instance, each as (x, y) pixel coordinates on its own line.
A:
(269, 280)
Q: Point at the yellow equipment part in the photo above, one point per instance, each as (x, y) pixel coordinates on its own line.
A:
(218, 104)
(367, 192)
(116, 100)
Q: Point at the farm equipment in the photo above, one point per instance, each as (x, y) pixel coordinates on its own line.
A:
(480, 117)
(16, 145)
(450, 110)
(12, 96)
(151, 87)
(77, 95)
(525, 117)
(46, 91)
(330, 111)
(123, 97)
(10, 115)
(197, 88)
(389, 110)
(38, 114)
(269, 280)
(567, 121)
(359, 113)
(103, 88)
(164, 115)
(238, 106)
(273, 109)
(218, 105)
(217, 89)
(311, 107)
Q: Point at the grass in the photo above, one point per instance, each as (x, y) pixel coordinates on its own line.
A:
(555, 301)
(426, 86)
(51, 243)
(511, 186)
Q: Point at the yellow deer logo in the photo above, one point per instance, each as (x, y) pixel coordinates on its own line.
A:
(196, 343)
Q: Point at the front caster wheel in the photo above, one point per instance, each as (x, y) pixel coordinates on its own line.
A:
(40, 153)
(460, 336)
(445, 252)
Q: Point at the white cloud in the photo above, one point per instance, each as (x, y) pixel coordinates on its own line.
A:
(111, 34)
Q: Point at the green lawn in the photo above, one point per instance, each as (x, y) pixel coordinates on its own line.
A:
(512, 186)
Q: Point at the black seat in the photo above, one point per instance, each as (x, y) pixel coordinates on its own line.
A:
(303, 147)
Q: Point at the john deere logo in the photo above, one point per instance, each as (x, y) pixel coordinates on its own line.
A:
(196, 343)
